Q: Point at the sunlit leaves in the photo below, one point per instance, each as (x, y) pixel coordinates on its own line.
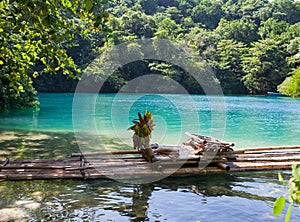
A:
(41, 31)
(230, 54)
(239, 30)
(280, 179)
(294, 193)
(167, 29)
(278, 205)
(265, 66)
(144, 125)
(291, 85)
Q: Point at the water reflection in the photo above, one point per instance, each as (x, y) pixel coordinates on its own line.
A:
(235, 196)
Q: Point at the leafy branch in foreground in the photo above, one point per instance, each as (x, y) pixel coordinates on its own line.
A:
(293, 192)
(39, 31)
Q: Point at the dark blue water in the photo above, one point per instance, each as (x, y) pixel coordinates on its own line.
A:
(56, 130)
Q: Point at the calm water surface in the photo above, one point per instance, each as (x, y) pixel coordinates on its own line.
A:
(49, 133)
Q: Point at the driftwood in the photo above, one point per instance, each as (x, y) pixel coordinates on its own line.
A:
(205, 143)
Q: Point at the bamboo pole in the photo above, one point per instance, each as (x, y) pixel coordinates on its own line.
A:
(223, 166)
(122, 152)
(253, 150)
(263, 165)
(271, 159)
(266, 154)
(32, 167)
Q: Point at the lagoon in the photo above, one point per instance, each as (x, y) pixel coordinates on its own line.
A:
(67, 123)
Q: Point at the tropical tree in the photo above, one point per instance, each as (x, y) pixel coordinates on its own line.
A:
(230, 73)
(208, 13)
(265, 66)
(167, 29)
(272, 28)
(239, 30)
(285, 10)
(41, 31)
(138, 24)
(291, 85)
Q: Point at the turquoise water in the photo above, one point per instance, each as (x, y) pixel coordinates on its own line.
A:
(246, 120)
(58, 129)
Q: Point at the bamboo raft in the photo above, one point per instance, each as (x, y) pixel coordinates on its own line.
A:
(131, 164)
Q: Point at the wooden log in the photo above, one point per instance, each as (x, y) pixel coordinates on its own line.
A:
(45, 161)
(265, 154)
(209, 139)
(122, 152)
(263, 165)
(111, 164)
(223, 166)
(268, 159)
(32, 167)
(113, 158)
(258, 149)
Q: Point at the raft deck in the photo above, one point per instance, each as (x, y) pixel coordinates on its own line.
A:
(130, 164)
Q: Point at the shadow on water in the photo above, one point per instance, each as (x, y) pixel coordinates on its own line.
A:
(32, 145)
(48, 144)
(103, 200)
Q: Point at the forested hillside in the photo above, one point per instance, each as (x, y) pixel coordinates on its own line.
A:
(252, 46)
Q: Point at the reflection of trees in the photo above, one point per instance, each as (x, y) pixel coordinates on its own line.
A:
(140, 198)
(99, 199)
(219, 184)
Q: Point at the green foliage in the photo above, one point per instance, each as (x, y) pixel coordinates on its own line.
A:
(138, 23)
(239, 30)
(285, 10)
(279, 205)
(293, 49)
(291, 85)
(167, 29)
(272, 28)
(208, 13)
(293, 193)
(230, 73)
(41, 31)
(251, 45)
(265, 66)
(144, 125)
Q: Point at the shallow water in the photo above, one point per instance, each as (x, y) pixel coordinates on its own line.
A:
(49, 133)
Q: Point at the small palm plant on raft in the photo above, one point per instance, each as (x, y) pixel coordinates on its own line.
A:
(143, 127)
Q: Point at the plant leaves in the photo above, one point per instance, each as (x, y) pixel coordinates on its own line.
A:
(278, 205)
(295, 171)
(280, 178)
(288, 213)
